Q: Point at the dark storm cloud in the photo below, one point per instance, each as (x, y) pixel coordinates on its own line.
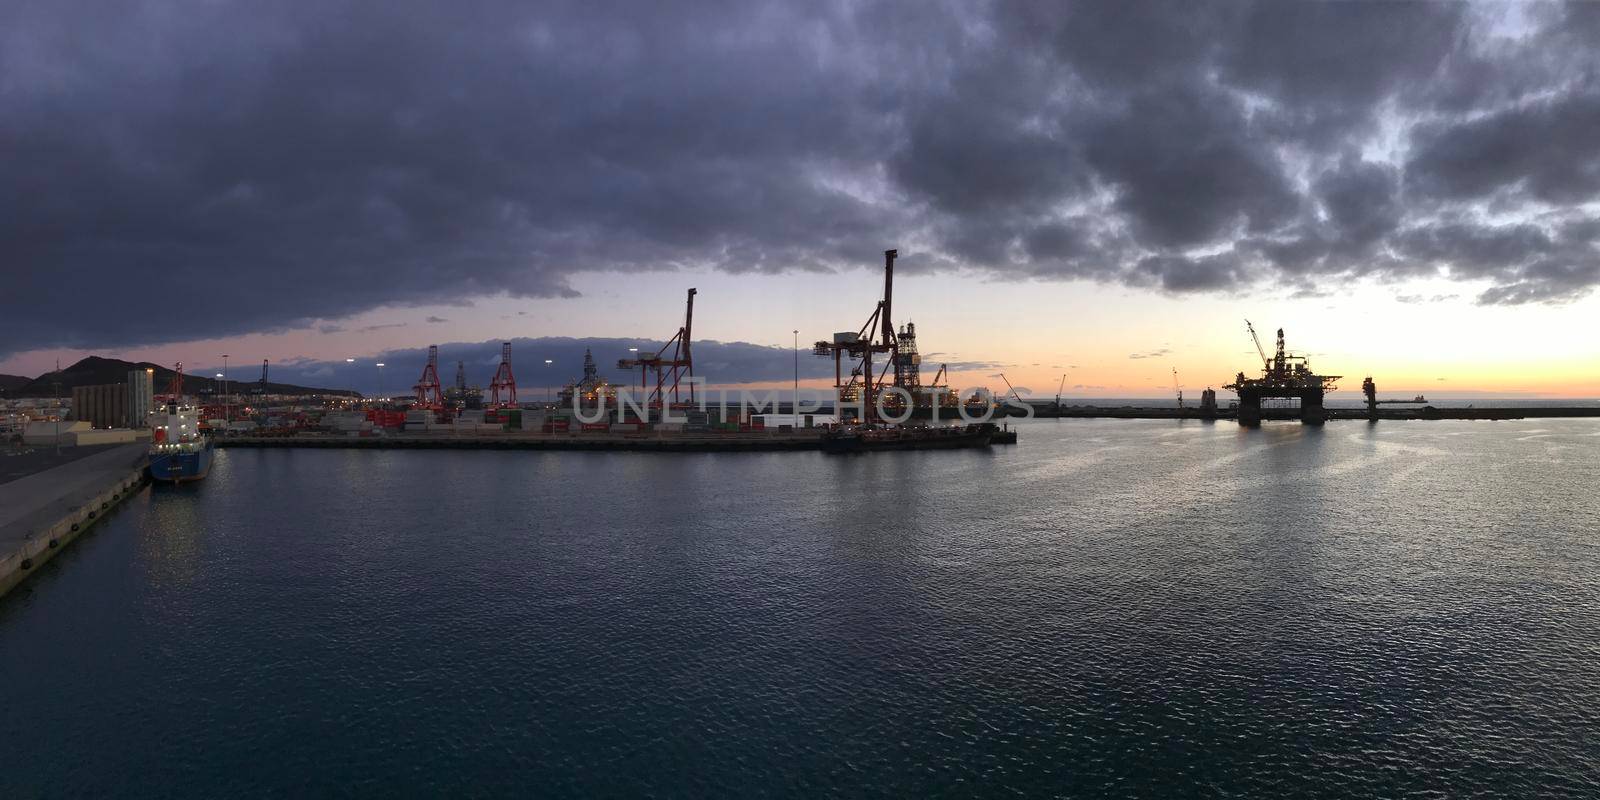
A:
(1361, 199)
(1546, 149)
(267, 166)
(1195, 174)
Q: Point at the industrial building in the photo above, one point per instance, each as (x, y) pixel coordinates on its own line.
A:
(116, 405)
(141, 396)
(72, 433)
(102, 406)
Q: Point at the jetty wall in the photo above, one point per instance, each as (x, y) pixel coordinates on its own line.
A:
(42, 513)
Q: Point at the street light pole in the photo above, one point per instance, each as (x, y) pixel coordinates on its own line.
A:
(549, 391)
(55, 383)
(380, 381)
(227, 399)
(794, 402)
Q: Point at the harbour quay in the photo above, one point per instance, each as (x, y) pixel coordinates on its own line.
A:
(47, 500)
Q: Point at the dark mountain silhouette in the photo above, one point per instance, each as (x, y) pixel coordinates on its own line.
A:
(96, 370)
(8, 383)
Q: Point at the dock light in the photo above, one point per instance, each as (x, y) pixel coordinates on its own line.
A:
(548, 361)
(380, 363)
(349, 361)
(219, 374)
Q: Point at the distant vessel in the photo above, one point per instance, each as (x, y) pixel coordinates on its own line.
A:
(178, 453)
(863, 439)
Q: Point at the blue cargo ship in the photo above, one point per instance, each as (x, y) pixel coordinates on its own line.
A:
(178, 452)
(180, 461)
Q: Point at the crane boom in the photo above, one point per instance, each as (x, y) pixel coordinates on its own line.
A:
(1012, 388)
(1265, 362)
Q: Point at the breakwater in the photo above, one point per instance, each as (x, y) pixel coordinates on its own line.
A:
(1050, 411)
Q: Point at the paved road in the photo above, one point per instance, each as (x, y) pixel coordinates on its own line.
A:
(17, 461)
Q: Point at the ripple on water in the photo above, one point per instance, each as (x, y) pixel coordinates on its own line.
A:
(1109, 608)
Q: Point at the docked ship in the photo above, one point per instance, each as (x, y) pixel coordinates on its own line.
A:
(178, 453)
(870, 438)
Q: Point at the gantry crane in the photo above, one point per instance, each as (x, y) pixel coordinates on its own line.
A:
(174, 387)
(877, 335)
(669, 372)
(430, 395)
(504, 383)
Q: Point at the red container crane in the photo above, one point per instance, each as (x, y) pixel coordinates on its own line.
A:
(503, 381)
(430, 394)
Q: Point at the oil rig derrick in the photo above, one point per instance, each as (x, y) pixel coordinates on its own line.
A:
(1283, 375)
(907, 361)
(924, 396)
(672, 373)
(430, 395)
(589, 390)
(876, 335)
(503, 389)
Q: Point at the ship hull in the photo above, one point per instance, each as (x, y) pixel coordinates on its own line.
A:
(181, 467)
(846, 443)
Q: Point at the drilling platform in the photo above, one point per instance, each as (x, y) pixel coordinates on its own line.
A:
(1283, 376)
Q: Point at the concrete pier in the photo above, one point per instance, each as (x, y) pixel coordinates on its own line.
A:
(42, 513)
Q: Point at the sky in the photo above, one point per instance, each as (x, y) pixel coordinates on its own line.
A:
(1083, 195)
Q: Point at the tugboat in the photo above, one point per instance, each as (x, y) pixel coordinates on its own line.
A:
(178, 453)
(868, 438)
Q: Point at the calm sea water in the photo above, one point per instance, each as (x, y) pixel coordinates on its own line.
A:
(1131, 608)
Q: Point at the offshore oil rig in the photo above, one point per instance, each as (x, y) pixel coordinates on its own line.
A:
(1283, 376)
